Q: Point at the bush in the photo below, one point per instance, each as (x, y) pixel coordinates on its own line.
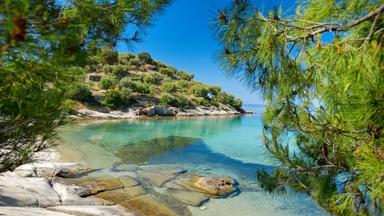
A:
(80, 92)
(183, 101)
(237, 103)
(126, 82)
(124, 58)
(126, 94)
(145, 58)
(120, 71)
(168, 71)
(199, 90)
(109, 56)
(169, 87)
(152, 78)
(168, 100)
(107, 82)
(185, 76)
(113, 99)
(141, 88)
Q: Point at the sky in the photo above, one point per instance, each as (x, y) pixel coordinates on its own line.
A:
(181, 37)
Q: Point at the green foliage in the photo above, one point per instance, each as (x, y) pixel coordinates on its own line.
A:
(327, 92)
(185, 76)
(113, 99)
(168, 71)
(152, 79)
(145, 58)
(107, 82)
(109, 56)
(120, 71)
(43, 44)
(80, 92)
(125, 58)
(168, 100)
(169, 87)
(199, 90)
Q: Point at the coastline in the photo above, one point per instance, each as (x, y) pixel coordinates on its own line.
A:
(154, 111)
(50, 185)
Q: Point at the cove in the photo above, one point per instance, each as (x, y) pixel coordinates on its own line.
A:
(221, 145)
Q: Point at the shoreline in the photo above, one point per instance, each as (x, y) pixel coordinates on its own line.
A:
(155, 111)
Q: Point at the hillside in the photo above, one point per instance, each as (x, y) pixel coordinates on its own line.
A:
(123, 81)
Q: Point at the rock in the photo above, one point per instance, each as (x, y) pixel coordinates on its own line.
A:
(92, 210)
(86, 186)
(187, 197)
(148, 205)
(121, 195)
(128, 181)
(69, 198)
(18, 191)
(28, 211)
(50, 169)
(213, 185)
(158, 177)
(159, 110)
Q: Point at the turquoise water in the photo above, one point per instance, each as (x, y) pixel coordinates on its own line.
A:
(222, 145)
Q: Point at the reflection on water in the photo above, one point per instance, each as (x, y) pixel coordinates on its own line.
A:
(141, 151)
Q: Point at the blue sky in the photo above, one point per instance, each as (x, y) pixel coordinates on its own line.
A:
(181, 37)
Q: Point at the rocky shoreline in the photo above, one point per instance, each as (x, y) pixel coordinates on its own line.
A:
(152, 111)
(49, 186)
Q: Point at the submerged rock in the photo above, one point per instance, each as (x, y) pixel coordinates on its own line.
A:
(186, 197)
(121, 195)
(158, 177)
(148, 205)
(213, 185)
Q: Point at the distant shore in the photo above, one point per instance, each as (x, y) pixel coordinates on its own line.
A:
(155, 111)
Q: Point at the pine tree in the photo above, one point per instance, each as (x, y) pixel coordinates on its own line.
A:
(43, 45)
(321, 72)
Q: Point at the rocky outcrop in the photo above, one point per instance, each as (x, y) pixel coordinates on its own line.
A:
(57, 188)
(157, 110)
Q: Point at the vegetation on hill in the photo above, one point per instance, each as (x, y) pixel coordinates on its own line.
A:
(322, 75)
(43, 44)
(123, 80)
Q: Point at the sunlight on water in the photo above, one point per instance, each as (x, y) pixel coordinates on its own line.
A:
(226, 145)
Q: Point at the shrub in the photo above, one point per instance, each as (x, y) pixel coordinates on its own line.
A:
(169, 87)
(141, 88)
(145, 58)
(135, 62)
(124, 58)
(183, 85)
(168, 100)
(107, 82)
(109, 56)
(214, 90)
(199, 90)
(168, 71)
(126, 82)
(120, 71)
(184, 101)
(185, 76)
(113, 99)
(126, 94)
(152, 78)
(80, 92)
(237, 103)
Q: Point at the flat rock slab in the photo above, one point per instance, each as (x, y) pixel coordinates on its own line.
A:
(148, 205)
(121, 195)
(49, 169)
(86, 186)
(19, 191)
(158, 177)
(92, 210)
(29, 211)
(187, 197)
(213, 185)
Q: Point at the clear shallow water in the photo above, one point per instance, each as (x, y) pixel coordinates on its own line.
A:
(225, 145)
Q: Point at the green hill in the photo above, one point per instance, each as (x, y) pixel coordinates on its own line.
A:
(117, 81)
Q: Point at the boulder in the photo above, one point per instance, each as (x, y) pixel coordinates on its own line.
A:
(159, 110)
(213, 185)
